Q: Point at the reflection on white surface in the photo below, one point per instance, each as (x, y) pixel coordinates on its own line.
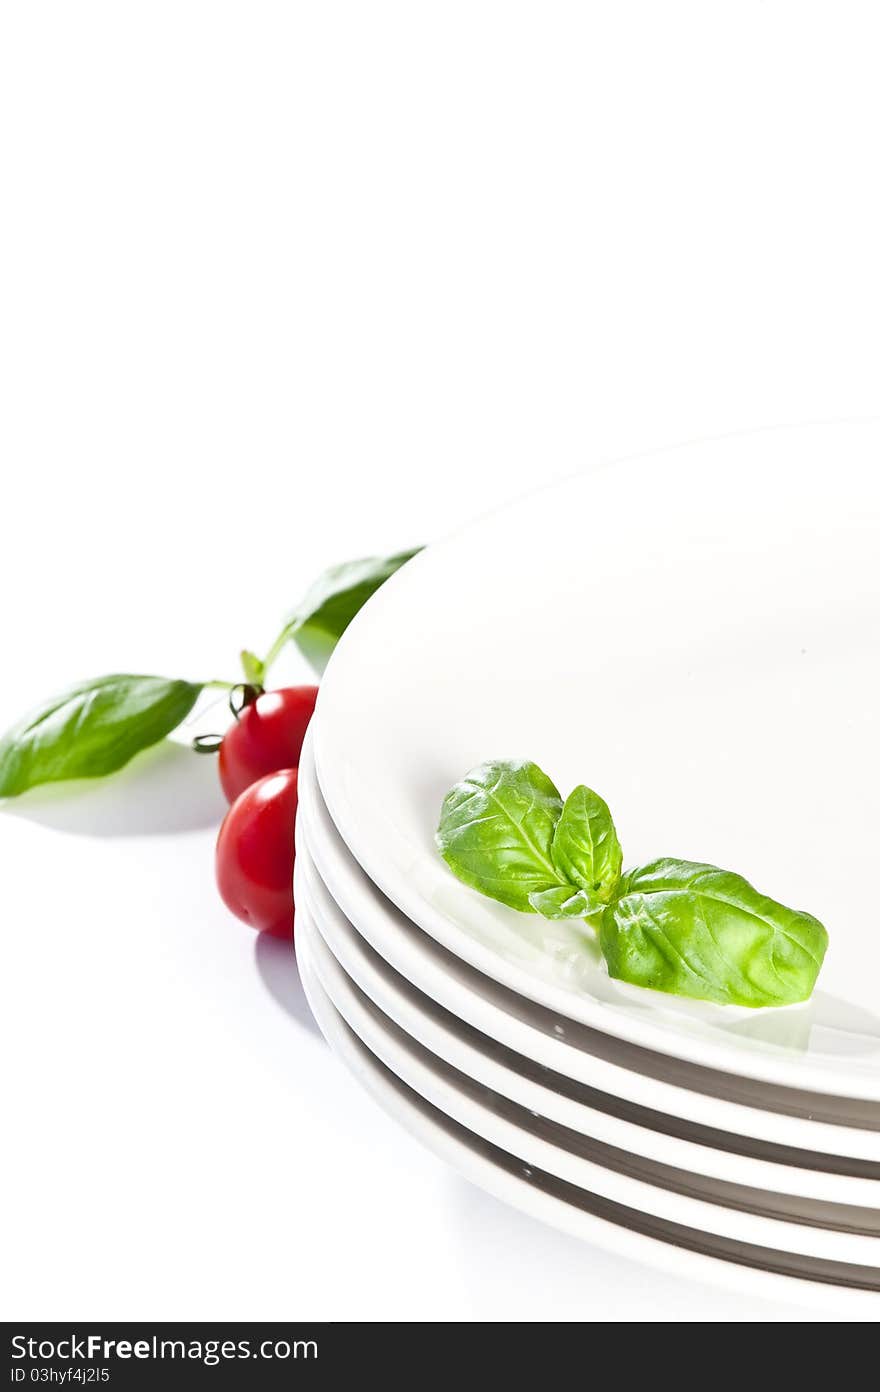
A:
(165, 789)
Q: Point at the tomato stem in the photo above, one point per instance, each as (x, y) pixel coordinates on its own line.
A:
(254, 670)
(286, 633)
(243, 694)
(206, 744)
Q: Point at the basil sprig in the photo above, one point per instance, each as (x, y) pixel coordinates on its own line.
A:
(97, 726)
(92, 729)
(673, 925)
(328, 607)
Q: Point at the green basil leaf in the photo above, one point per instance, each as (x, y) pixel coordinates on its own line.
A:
(92, 729)
(564, 901)
(496, 828)
(695, 930)
(585, 847)
(317, 624)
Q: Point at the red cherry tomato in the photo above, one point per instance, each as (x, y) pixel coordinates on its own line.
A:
(268, 735)
(255, 854)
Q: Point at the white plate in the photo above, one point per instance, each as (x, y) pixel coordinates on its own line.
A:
(667, 1085)
(755, 1216)
(661, 1246)
(695, 634)
(628, 1130)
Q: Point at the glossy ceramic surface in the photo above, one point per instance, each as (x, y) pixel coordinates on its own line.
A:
(616, 1228)
(842, 1128)
(711, 670)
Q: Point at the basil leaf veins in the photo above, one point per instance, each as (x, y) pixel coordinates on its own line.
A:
(695, 930)
(674, 925)
(92, 729)
(496, 830)
(585, 847)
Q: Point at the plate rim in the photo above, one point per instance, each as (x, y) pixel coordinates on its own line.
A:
(427, 1077)
(767, 1067)
(367, 917)
(641, 1248)
(784, 1174)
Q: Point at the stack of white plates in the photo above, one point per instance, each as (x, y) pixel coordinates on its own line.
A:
(697, 636)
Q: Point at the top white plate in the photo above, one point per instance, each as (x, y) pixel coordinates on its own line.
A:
(696, 634)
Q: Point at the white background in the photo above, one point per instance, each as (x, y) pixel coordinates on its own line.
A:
(282, 284)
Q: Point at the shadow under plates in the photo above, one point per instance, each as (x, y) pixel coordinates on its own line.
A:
(279, 973)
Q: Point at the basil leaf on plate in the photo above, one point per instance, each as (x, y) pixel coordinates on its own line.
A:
(695, 930)
(585, 847)
(564, 901)
(317, 624)
(91, 729)
(496, 829)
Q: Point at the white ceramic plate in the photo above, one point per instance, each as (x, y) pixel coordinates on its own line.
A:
(695, 634)
(614, 1228)
(621, 1127)
(804, 1120)
(748, 1215)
